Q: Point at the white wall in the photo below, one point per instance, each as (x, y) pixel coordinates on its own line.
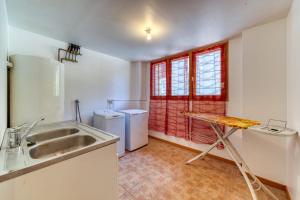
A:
(264, 71)
(293, 98)
(257, 96)
(3, 69)
(138, 83)
(235, 86)
(94, 79)
(264, 96)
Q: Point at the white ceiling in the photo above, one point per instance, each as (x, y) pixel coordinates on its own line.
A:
(116, 27)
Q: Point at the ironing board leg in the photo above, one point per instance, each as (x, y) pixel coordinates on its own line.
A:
(203, 154)
(244, 169)
(211, 147)
(219, 134)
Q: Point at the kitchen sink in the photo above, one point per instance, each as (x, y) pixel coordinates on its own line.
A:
(61, 146)
(40, 137)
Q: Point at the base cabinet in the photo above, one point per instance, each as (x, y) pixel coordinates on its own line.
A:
(91, 176)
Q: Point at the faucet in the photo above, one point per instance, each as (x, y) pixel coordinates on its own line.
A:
(28, 130)
(17, 137)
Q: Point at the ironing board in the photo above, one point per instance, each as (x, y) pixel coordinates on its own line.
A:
(216, 122)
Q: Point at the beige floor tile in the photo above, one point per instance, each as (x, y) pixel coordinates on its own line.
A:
(126, 196)
(158, 172)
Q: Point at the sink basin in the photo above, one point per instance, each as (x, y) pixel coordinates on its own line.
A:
(40, 137)
(61, 146)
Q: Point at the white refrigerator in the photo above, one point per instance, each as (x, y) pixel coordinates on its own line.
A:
(136, 128)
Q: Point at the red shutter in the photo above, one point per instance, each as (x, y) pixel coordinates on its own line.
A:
(171, 93)
(157, 115)
(157, 110)
(201, 131)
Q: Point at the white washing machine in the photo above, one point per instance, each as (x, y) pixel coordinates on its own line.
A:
(113, 123)
(136, 131)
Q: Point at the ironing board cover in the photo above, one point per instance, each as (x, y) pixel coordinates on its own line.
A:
(223, 120)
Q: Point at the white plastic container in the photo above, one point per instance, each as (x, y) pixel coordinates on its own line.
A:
(113, 123)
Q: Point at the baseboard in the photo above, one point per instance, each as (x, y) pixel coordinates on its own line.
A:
(263, 180)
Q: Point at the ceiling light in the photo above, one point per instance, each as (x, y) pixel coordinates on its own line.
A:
(148, 33)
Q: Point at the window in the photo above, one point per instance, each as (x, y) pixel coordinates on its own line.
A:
(171, 77)
(159, 79)
(192, 81)
(209, 74)
(180, 76)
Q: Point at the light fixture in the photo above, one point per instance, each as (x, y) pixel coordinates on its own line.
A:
(148, 33)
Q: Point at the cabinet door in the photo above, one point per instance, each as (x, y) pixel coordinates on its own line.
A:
(139, 130)
(90, 176)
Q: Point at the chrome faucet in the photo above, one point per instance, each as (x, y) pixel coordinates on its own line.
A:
(28, 130)
(17, 136)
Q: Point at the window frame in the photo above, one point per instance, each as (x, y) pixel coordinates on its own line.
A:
(191, 54)
(152, 96)
(224, 82)
(169, 75)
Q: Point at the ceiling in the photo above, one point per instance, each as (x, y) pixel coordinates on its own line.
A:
(116, 27)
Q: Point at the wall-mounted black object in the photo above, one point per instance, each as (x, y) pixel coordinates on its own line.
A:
(77, 111)
(70, 54)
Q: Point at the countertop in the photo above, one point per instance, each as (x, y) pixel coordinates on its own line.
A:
(14, 162)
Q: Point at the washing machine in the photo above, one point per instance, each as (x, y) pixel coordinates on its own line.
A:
(136, 128)
(113, 123)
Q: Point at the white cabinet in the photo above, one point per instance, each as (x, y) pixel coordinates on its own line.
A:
(91, 176)
(136, 128)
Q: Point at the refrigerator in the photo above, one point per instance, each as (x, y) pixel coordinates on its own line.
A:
(136, 128)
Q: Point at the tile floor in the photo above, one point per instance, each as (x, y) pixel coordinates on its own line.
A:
(157, 172)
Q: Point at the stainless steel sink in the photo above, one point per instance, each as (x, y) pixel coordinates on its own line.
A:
(40, 137)
(61, 146)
